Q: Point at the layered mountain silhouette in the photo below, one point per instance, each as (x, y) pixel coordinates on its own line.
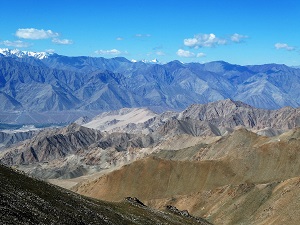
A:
(57, 83)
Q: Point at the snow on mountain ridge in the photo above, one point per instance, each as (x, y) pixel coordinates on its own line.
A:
(21, 54)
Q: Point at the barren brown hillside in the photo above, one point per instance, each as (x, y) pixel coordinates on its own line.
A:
(241, 178)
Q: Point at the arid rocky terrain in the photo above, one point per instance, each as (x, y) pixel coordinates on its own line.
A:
(225, 161)
(37, 202)
(242, 178)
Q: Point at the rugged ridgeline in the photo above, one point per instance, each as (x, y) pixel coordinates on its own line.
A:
(243, 178)
(212, 119)
(74, 151)
(37, 83)
(36, 202)
(115, 138)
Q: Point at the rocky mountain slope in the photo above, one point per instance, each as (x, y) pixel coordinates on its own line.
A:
(241, 178)
(230, 114)
(7, 138)
(129, 134)
(56, 83)
(211, 119)
(37, 202)
(75, 151)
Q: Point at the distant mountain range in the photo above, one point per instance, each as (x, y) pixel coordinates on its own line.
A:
(22, 54)
(43, 82)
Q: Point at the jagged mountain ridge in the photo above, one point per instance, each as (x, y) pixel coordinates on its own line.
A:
(86, 83)
(230, 114)
(211, 119)
(77, 150)
(212, 81)
(49, 145)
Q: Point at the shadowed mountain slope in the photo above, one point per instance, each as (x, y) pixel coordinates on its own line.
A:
(8, 138)
(24, 200)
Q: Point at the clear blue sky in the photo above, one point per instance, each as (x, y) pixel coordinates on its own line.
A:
(236, 31)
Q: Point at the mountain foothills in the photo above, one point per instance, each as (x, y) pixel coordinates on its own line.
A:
(46, 83)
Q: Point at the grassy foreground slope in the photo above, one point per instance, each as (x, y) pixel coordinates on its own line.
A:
(24, 200)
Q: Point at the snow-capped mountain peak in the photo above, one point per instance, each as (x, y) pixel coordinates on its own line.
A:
(155, 61)
(22, 54)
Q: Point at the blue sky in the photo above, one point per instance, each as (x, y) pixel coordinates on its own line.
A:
(239, 32)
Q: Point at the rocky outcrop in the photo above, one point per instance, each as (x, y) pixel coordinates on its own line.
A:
(185, 213)
(135, 201)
